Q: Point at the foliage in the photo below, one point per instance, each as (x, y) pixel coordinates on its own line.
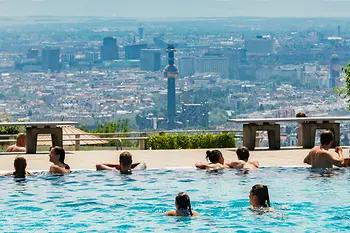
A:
(120, 126)
(183, 141)
(10, 129)
(344, 92)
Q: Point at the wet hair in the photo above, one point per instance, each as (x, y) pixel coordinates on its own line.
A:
(183, 201)
(242, 153)
(213, 156)
(326, 137)
(20, 137)
(59, 151)
(20, 164)
(125, 158)
(301, 114)
(262, 192)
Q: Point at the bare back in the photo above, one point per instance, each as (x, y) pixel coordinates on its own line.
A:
(321, 158)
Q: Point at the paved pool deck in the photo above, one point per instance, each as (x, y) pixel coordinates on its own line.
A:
(159, 158)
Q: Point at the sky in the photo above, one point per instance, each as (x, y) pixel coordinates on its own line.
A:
(176, 8)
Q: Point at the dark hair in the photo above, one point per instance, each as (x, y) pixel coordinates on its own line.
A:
(182, 200)
(301, 114)
(125, 158)
(20, 165)
(242, 153)
(60, 151)
(213, 156)
(262, 192)
(326, 137)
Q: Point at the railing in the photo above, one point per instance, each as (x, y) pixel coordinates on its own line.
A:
(141, 138)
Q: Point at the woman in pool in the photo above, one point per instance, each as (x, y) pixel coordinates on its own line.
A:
(259, 196)
(216, 161)
(183, 207)
(20, 165)
(57, 156)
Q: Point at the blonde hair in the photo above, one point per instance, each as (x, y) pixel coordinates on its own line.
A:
(20, 137)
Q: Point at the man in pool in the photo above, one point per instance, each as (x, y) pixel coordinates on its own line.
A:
(320, 157)
(243, 159)
(125, 166)
(20, 145)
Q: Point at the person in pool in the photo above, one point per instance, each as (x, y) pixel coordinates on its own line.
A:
(183, 207)
(125, 164)
(216, 161)
(20, 145)
(20, 165)
(57, 157)
(259, 196)
(243, 159)
(320, 157)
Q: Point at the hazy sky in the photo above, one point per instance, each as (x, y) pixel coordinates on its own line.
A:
(177, 8)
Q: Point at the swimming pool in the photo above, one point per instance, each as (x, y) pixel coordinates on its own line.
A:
(89, 201)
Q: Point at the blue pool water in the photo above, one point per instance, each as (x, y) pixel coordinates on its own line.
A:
(89, 201)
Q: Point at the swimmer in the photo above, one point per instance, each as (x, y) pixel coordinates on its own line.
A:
(243, 159)
(57, 156)
(216, 161)
(259, 196)
(20, 165)
(320, 157)
(125, 160)
(183, 207)
(20, 145)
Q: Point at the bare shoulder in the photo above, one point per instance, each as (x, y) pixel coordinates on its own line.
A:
(170, 213)
(58, 170)
(195, 213)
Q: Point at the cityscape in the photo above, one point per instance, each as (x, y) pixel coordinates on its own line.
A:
(186, 74)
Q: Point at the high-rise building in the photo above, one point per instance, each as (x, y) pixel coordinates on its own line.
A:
(109, 49)
(334, 70)
(214, 64)
(140, 32)
(260, 45)
(51, 58)
(133, 52)
(91, 56)
(171, 73)
(32, 54)
(187, 66)
(68, 57)
(150, 59)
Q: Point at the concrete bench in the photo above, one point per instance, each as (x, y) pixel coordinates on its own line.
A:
(35, 128)
(309, 127)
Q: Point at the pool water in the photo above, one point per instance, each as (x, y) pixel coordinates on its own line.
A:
(89, 201)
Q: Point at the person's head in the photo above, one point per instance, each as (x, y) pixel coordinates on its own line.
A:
(20, 164)
(57, 154)
(215, 156)
(301, 114)
(327, 138)
(125, 159)
(242, 153)
(259, 196)
(21, 140)
(182, 201)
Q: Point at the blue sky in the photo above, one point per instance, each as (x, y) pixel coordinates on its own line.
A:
(177, 8)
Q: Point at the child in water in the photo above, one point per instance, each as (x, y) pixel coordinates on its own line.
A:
(183, 207)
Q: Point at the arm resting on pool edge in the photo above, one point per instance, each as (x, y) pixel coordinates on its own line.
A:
(111, 166)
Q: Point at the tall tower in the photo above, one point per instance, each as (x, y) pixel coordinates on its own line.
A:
(171, 73)
(334, 70)
(109, 50)
(140, 32)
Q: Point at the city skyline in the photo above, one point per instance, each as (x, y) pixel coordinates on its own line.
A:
(160, 8)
